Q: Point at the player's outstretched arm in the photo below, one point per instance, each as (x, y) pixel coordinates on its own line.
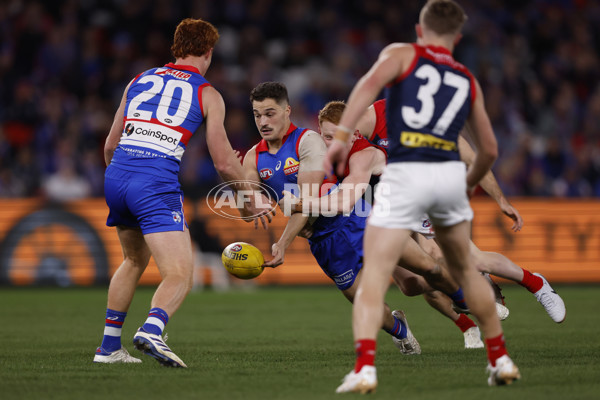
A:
(311, 152)
(361, 165)
(392, 61)
(223, 156)
(490, 185)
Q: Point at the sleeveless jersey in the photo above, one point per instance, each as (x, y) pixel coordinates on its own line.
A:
(279, 172)
(162, 112)
(427, 107)
(379, 135)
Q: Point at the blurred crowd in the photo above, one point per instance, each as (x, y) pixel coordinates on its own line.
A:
(64, 65)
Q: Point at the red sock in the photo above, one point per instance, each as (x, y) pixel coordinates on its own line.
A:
(365, 353)
(496, 348)
(531, 282)
(464, 323)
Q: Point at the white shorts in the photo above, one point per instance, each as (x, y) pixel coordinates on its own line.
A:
(426, 227)
(408, 190)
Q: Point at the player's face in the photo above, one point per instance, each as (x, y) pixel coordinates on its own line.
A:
(271, 118)
(327, 132)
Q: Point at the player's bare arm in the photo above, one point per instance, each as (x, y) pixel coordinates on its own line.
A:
(392, 62)
(482, 134)
(310, 178)
(489, 184)
(219, 147)
(116, 130)
(362, 165)
(366, 124)
(223, 156)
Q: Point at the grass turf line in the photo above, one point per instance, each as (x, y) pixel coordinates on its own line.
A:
(286, 343)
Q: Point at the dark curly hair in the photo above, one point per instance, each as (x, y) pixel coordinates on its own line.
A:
(270, 90)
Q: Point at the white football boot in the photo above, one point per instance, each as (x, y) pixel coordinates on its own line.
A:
(502, 311)
(552, 302)
(365, 381)
(408, 345)
(115, 357)
(473, 338)
(154, 346)
(504, 373)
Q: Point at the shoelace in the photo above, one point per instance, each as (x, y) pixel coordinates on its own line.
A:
(547, 300)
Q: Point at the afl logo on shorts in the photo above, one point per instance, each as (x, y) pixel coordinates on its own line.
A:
(236, 248)
(176, 216)
(426, 223)
(129, 129)
(266, 173)
(383, 143)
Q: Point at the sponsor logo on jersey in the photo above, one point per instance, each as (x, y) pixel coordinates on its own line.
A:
(383, 143)
(278, 166)
(417, 139)
(236, 248)
(291, 166)
(154, 136)
(266, 173)
(174, 73)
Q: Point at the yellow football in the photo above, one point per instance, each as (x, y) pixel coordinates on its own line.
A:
(243, 260)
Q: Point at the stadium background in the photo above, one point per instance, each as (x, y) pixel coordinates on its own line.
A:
(64, 64)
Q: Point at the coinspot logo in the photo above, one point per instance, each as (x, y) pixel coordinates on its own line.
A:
(223, 201)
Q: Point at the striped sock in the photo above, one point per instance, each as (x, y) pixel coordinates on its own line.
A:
(157, 319)
(399, 329)
(112, 330)
(459, 299)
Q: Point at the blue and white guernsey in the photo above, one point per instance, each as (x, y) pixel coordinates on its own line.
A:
(163, 110)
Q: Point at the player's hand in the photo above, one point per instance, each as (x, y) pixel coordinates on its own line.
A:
(336, 154)
(289, 203)
(512, 213)
(260, 211)
(238, 155)
(278, 253)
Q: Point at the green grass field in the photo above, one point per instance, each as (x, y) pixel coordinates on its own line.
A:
(287, 343)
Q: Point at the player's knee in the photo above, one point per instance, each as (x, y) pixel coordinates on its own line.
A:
(434, 274)
(412, 287)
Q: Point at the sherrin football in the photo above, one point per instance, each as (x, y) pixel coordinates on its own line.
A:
(243, 260)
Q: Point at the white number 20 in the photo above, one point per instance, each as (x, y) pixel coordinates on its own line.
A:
(162, 111)
(418, 119)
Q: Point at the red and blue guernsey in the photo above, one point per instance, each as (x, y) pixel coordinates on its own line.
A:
(163, 110)
(427, 107)
(279, 172)
(336, 242)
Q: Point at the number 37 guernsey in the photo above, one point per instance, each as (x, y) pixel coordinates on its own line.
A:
(163, 110)
(427, 106)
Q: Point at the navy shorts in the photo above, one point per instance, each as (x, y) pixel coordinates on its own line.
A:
(340, 254)
(149, 202)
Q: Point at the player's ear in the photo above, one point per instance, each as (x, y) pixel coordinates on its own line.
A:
(419, 31)
(457, 38)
